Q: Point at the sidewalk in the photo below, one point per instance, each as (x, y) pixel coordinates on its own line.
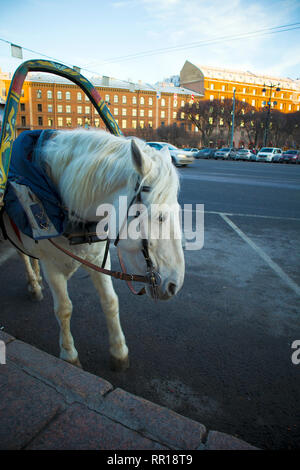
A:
(46, 403)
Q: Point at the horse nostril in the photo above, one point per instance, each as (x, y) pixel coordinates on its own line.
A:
(171, 288)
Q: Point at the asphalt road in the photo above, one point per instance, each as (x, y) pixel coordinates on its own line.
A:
(220, 352)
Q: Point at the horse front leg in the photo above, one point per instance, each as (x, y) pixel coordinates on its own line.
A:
(63, 307)
(33, 278)
(119, 358)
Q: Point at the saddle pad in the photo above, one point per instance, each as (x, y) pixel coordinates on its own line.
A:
(31, 199)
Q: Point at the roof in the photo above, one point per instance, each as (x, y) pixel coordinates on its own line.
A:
(109, 82)
(247, 77)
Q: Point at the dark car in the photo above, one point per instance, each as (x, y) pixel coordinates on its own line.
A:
(206, 153)
(291, 156)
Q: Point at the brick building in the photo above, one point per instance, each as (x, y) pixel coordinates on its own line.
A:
(218, 83)
(49, 101)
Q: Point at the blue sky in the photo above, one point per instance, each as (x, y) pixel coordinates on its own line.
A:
(91, 33)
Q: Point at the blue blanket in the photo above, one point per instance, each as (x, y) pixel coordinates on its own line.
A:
(31, 199)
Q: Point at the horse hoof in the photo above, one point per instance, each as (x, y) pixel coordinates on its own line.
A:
(119, 365)
(76, 363)
(36, 296)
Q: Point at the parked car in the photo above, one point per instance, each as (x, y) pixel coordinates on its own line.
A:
(278, 158)
(192, 151)
(225, 153)
(179, 157)
(206, 153)
(267, 154)
(245, 154)
(291, 156)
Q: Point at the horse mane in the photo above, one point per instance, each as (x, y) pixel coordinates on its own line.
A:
(85, 165)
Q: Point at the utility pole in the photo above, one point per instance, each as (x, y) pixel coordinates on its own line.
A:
(232, 122)
(267, 125)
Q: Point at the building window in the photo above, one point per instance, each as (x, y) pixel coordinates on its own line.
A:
(211, 97)
(244, 90)
(68, 95)
(181, 115)
(175, 103)
(150, 101)
(50, 108)
(254, 92)
(87, 110)
(163, 102)
(221, 122)
(134, 124)
(174, 114)
(22, 106)
(210, 120)
(222, 98)
(142, 124)
(134, 112)
(253, 102)
(134, 100)
(142, 112)
(39, 107)
(163, 114)
(69, 121)
(79, 96)
(49, 95)
(150, 113)
(107, 98)
(242, 124)
(142, 100)
(116, 111)
(23, 121)
(290, 107)
(116, 98)
(39, 93)
(123, 123)
(280, 106)
(59, 95)
(124, 99)
(211, 86)
(59, 108)
(50, 122)
(86, 98)
(40, 120)
(123, 111)
(223, 89)
(79, 122)
(182, 102)
(60, 122)
(79, 109)
(97, 122)
(150, 124)
(68, 108)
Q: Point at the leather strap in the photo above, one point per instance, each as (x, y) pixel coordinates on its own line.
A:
(116, 274)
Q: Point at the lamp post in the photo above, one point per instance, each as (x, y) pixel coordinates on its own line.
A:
(269, 110)
(232, 122)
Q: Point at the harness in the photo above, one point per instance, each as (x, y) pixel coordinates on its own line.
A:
(152, 277)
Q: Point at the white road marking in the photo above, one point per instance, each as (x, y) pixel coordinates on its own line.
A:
(236, 214)
(8, 253)
(277, 269)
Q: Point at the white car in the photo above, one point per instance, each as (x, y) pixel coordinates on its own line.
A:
(267, 154)
(179, 157)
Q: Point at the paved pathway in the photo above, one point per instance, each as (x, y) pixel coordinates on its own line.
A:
(46, 403)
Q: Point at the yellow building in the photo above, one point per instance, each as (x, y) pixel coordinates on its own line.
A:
(219, 83)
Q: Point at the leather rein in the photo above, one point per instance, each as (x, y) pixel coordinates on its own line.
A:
(151, 277)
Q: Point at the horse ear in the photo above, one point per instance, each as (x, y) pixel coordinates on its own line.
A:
(141, 162)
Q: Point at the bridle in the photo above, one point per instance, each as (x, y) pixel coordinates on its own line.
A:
(152, 277)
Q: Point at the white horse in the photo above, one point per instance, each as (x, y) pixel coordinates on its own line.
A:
(90, 168)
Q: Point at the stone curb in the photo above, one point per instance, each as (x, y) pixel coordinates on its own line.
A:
(106, 418)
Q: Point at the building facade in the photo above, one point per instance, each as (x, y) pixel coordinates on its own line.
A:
(52, 102)
(217, 83)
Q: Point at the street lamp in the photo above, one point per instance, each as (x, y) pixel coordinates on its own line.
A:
(269, 109)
